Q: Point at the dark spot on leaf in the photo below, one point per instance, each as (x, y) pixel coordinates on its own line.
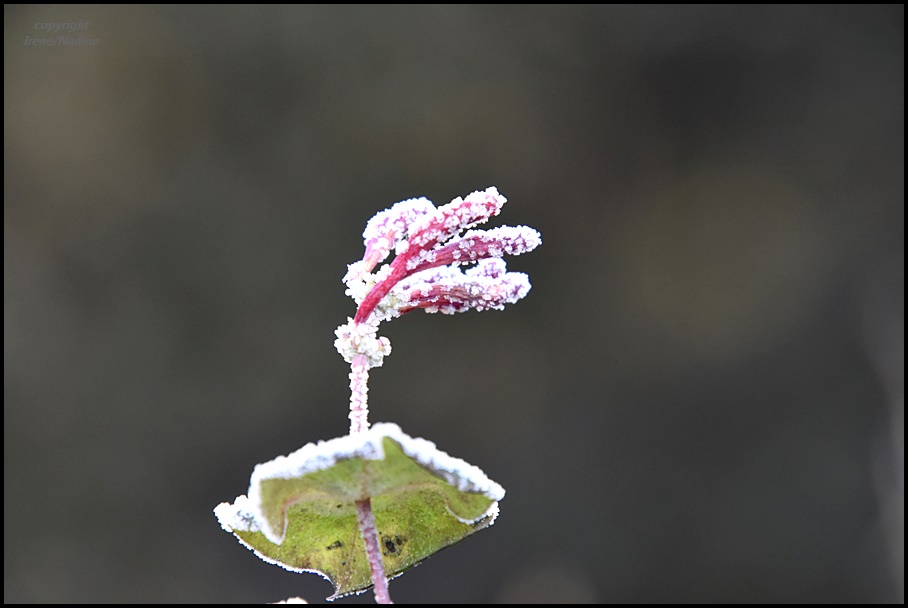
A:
(398, 541)
(343, 563)
(339, 506)
(389, 544)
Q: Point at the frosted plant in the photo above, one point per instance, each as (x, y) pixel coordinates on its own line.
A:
(412, 499)
(426, 274)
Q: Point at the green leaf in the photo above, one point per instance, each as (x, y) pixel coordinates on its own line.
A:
(300, 513)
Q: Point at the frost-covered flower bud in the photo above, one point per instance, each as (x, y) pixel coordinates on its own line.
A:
(485, 286)
(426, 239)
(476, 245)
(458, 215)
(390, 227)
(361, 339)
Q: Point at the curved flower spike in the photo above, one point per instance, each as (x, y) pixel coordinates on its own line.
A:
(480, 244)
(483, 287)
(425, 273)
(388, 228)
(456, 216)
(428, 244)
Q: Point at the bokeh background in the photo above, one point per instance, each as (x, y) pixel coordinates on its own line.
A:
(700, 400)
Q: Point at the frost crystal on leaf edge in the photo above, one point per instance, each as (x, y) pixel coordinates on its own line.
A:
(246, 515)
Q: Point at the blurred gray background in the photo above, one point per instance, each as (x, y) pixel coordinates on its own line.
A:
(700, 400)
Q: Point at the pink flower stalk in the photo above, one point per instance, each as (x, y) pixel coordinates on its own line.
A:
(366, 520)
(425, 273)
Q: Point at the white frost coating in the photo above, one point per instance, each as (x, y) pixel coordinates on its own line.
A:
(237, 516)
(233, 517)
(361, 339)
(397, 218)
(428, 238)
(387, 228)
(356, 275)
(459, 214)
(448, 289)
(368, 446)
(477, 245)
(359, 281)
(513, 240)
(489, 267)
(359, 395)
(492, 514)
(426, 277)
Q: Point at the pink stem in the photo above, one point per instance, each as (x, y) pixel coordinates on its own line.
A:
(359, 423)
(398, 272)
(373, 550)
(359, 393)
